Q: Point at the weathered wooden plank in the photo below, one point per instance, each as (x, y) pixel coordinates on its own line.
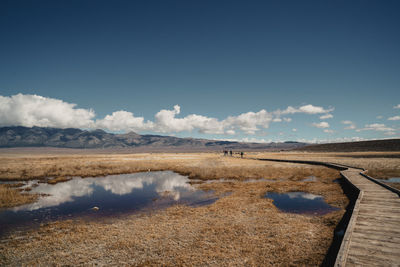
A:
(379, 191)
(377, 248)
(380, 208)
(373, 254)
(381, 202)
(375, 213)
(380, 219)
(379, 215)
(368, 237)
(376, 193)
(386, 230)
(377, 224)
(365, 183)
(377, 198)
(387, 195)
(381, 226)
(371, 186)
(375, 216)
(373, 232)
(368, 260)
(363, 241)
(365, 211)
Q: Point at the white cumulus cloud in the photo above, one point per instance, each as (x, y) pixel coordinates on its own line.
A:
(350, 125)
(380, 127)
(34, 110)
(326, 116)
(166, 121)
(254, 140)
(395, 118)
(250, 122)
(347, 122)
(322, 124)
(335, 140)
(277, 119)
(124, 121)
(397, 106)
(307, 109)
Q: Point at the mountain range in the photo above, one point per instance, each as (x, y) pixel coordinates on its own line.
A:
(19, 136)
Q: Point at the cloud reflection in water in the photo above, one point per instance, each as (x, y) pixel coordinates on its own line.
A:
(163, 182)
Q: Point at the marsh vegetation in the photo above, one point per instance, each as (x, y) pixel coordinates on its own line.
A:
(240, 228)
(11, 196)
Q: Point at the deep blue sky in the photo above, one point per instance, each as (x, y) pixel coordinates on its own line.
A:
(212, 58)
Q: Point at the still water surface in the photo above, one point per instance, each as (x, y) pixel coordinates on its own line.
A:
(301, 202)
(390, 180)
(113, 194)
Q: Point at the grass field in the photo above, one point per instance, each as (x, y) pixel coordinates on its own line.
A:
(10, 197)
(242, 228)
(379, 164)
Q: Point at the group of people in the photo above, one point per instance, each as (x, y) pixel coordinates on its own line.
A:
(231, 153)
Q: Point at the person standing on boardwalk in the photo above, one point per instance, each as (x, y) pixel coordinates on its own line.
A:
(241, 154)
(230, 153)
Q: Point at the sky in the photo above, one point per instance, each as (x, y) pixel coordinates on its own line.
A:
(260, 71)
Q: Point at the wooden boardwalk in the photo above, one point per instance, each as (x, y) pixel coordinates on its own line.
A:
(372, 237)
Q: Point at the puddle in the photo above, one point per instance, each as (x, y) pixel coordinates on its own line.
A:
(10, 182)
(262, 180)
(220, 181)
(301, 202)
(233, 181)
(310, 179)
(390, 180)
(113, 194)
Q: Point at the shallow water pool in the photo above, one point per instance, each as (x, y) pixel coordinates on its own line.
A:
(301, 202)
(390, 180)
(109, 195)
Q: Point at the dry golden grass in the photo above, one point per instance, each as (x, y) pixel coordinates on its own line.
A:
(58, 179)
(240, 229)
(225, 234)
(203, 166)
(200, 166)
(243, 228)
(379, 164)
(10, 197)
